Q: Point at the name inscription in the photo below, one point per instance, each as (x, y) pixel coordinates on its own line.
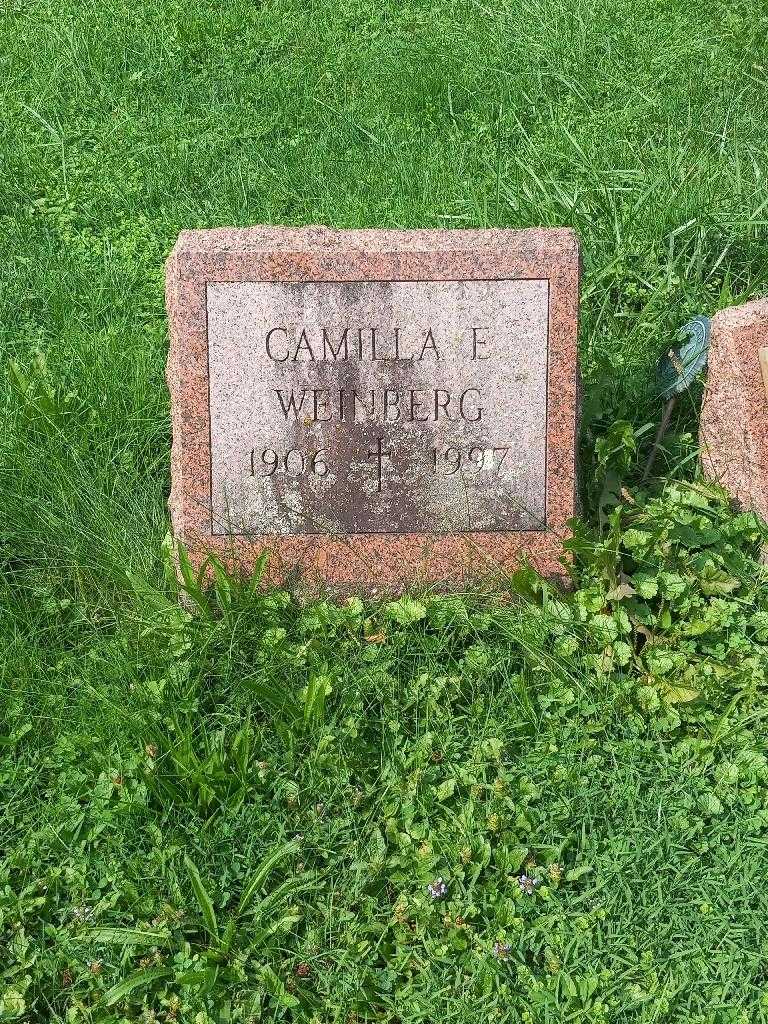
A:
(377, 407)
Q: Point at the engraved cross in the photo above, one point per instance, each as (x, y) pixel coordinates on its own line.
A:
(379, 454)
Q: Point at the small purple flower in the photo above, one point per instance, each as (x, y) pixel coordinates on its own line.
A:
(501, 950)
(437, 889)
(527, 884)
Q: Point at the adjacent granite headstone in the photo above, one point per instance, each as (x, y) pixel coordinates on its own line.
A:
(374, 408)
(733, 433)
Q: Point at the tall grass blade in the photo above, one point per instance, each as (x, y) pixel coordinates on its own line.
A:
(203, 899)
(262, 872)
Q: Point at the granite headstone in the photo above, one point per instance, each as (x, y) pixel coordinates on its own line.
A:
(375, 408)
(733, 432)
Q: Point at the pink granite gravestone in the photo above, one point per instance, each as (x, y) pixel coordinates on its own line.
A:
(733, 433)
(374, 408)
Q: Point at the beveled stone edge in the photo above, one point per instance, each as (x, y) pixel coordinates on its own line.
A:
(318, 238)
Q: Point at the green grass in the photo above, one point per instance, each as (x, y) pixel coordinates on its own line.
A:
(612, 742)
